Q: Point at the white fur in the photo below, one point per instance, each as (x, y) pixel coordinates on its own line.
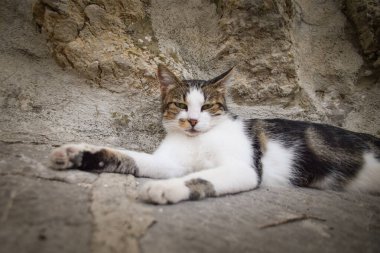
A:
(156, 166)
(277, 164)
(164, 191)
(369, 176)
(326, 182)
(224, 144)
(222, 156)
(195, 100)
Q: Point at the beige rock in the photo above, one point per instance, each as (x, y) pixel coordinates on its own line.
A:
(293, 55)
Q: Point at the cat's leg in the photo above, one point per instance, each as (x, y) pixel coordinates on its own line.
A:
(103, 159)
(208, 183)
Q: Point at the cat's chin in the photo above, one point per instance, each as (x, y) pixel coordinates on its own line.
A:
(192, 132)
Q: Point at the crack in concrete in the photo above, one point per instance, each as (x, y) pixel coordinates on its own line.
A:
(8, 206)
(91, 213)
(53, 179)
(119, 221)
(24, 142)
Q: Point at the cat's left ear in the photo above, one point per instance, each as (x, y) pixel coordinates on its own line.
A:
(166, 78)
(222, 81)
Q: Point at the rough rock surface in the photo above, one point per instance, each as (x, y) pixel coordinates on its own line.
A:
(331, 70)
(83, 71)
(365, 15)
(300, 58)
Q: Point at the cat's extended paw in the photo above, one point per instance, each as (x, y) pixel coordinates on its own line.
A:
(68, 156)
(164, 191)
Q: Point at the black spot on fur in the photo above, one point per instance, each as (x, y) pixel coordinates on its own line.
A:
(108, 161)
(258, 155)
(200, 188)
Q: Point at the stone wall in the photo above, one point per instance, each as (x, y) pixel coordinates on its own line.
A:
(304, 59)
(309, 60)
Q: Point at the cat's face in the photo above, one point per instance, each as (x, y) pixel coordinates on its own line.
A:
(192, 107)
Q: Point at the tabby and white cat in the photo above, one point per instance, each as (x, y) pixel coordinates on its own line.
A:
(208, 152)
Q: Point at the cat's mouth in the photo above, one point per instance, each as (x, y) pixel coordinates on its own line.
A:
(192, 131)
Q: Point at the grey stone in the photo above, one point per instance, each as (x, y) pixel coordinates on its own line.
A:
(343, 223)
(96, 14)
(32, 161)
(66, 31)
(43, 216)
(119, 221)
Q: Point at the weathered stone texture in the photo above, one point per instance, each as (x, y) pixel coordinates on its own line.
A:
(365, 15)
(256, 36)
(295, 56)
(119, 223)
(41, 216)
(234, 223)
(42, 210)
(110, 42)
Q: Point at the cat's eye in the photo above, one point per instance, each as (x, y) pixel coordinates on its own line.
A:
(181, 105)
(206, 107)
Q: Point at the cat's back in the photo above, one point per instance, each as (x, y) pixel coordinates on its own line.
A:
(314, 135)
(311, 154)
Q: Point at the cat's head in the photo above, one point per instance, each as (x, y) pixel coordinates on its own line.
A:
(192, 107)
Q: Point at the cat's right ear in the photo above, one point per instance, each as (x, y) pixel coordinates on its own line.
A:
(166, 78)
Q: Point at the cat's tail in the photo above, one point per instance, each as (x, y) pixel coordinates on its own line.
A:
(373, 143)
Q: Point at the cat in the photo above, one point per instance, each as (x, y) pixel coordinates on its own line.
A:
(209, 152)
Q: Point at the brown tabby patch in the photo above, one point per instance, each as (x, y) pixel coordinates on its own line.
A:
(320, 146)
(216, 110)
(200, 188)
(176, 94)
(214, 95)
(171, 111)
(183, 123)
(261, 135)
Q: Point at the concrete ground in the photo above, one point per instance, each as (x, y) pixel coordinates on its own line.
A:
(72, 211)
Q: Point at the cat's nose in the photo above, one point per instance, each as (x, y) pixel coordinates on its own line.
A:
(193, 122)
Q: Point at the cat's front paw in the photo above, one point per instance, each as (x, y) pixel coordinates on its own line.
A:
(68, 156)
(164, 191)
